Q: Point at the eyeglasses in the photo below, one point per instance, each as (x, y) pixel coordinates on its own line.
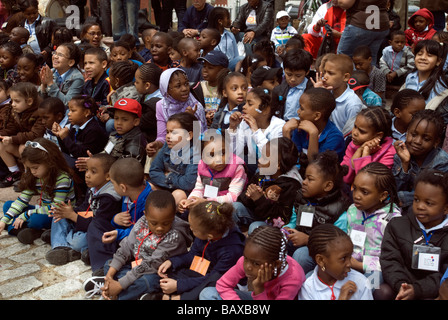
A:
(92, 34)
(35, 145)
(60, 55)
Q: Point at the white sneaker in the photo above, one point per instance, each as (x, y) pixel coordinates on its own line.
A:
(92, 286)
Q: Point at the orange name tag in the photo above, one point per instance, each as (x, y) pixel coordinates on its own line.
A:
(136, 263)
(200, 265)
(86, 214)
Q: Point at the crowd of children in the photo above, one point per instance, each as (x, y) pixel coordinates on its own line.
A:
(186, 169)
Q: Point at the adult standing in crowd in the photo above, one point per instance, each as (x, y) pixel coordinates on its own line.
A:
(367, 24)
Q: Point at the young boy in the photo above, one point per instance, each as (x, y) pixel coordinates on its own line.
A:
(285, 97)
(156, 236)
(161, 44)
(128, 178)
(81, 228)
(405, 103)
(206, 90)
(337, 70)
(362, 58)
(314, 132)
(359, 82)
(282, 32)
(421, 27)
(208, 40)
(147, 35)
(97, 85)
(52, 110)
(21, 35)
(127, 141)
(397, 59)
(266, 77)
(189, 51)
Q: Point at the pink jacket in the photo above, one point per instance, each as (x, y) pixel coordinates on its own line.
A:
(284, 287)
(385, 156)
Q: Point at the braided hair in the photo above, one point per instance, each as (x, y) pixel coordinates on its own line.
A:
(430, 116)
(273, 241)
(124, 71)
(384, 181)
(380, 119)
(321, 236)
(150, 72)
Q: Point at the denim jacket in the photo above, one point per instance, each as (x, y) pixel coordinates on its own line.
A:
(173, 172)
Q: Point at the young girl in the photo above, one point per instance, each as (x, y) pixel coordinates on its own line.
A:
(404, 105)
(173, 167)
(121, 78)
(319, 201)
(221, 174)
(65, 80)
(177, 97)
(254, 126)
(232, 91)
(217, 241)
(219, 18)
(28, 67)
(414, 249)
(277, 167)
(84, 133)
(429, 79)
(371, 141)
(22, 123)
(9, 54)
(421, 150)
(47, 176)
(271, 274)
(333, 279)
(52, 110)
(375, 204)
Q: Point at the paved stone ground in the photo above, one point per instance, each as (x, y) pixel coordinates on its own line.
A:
(25, 274)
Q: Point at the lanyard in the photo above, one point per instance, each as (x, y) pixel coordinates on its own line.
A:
(394, 55)
(366, 218)
(261, 181)
(138, 250)
(203, 251)
(135, 208)
(333, 297)
(212, 175)
(427, 236)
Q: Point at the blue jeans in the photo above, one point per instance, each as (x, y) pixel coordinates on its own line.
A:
(302, 256)
(63, 234)
(124, 18)
(147, 283)
(210, 293)
(241, 215)
(36, 221)
(353, 37)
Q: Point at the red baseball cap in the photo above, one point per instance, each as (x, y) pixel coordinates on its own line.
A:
(129, 105)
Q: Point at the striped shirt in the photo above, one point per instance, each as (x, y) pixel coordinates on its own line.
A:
(63, 192)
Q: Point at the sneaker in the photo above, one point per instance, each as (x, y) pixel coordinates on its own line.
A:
(85, 257)
(46, 236)
(28, 235)
(62, 255)
(92, 286)
(10, 179)
(152, 296)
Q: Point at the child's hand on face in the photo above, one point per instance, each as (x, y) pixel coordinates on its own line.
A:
(264, 275)
(308, 127)
(319, 83)
(347, 290)
(234, 120)
(370, 147)
(251, 122)
(290, 126)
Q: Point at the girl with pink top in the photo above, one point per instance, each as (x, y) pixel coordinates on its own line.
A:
(271, 274)
(371, 141)
(221, 174)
